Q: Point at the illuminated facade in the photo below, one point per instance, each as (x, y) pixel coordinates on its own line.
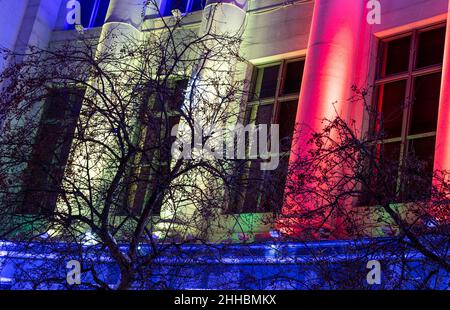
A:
(303, 54)
(304, 57)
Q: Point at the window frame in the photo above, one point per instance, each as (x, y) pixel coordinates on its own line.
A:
(71, 97)
(410, 77)
(136, 193)
(164, 7)
(279, 97)
(251, 109)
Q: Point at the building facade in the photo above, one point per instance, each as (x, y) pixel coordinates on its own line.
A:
(305, 58)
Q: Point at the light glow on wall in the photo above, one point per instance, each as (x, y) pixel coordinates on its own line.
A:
(327, 83)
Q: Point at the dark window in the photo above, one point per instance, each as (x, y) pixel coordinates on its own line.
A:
(269, 81)
(425, 103)
(420, 169)
(288, 113)
(258, 190)
(390, 161)
(396, 57)
(264, 115)
(431, 47)
(184, 6)
(390, 152)
(198, 5)
(170, 97)
(98, 18)
(272, 191)
(252, 183)
(379, 187)
(51, 150)
(153, 161)
(293, 78)
(409, 125)
(93, 13)
(392, 97)
(176, 5)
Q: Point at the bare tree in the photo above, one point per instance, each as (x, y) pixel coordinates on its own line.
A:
(90, 170)
(86, 165)
(347, 184)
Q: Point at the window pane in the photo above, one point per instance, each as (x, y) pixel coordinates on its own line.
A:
(269, 81)
(93, 13)
(264, 115)
(274, 183)
(252, 184)
(247, 117)
(393, 99)
(293, 78)
(390, 160)
(198, 5)
(419, 169)
(390, 152)
(170, 97)
(288, 113)
(264, 190)
(380, 177)
(397, 55)
(51, 150)
(423, 150)
(175, 5)
(426, 103)
(431, 47)
(178, 95)
(100, 16)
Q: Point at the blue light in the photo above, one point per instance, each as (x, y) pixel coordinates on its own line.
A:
(93, 13)
(201, 266)
(274, 234)
(184, 6)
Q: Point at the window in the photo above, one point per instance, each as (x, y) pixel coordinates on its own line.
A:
(407, 100)
(274, 100)
(51, 150)
(93, 13)
(156, 124)
(185, 6)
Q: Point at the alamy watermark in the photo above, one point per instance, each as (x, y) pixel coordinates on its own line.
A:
(73, 16)
(374, 275)
(374, 13)
(236, 142)
(73, 276)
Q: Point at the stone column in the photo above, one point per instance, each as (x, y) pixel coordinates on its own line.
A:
(442, 148)
(442, 151)
(11, 17)
(220, 18)
(121, 28)
(122, 21)
(26, 23)
(334, 42)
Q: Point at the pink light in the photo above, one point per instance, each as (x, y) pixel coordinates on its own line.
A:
(329, 74)
(442, 149)
(442, 153)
